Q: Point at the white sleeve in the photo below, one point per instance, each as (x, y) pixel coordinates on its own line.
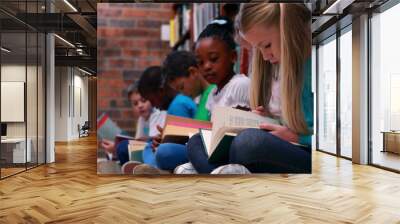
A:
(239, 92)
(140, 128)
(156, 118)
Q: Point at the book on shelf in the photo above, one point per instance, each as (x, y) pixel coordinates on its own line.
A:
(179, 129)
(226, 124)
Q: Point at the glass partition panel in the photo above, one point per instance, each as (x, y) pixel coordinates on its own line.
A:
(346, 94)
(385, 89)
(327, 96)
(14, 153)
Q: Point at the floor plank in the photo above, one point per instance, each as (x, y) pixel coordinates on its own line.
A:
(70, 191)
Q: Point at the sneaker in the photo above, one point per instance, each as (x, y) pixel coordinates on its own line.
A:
(186, 168)
(144, 169)
(231, 169)
(128, 167)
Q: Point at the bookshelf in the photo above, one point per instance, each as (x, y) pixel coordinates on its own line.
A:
(189, 19)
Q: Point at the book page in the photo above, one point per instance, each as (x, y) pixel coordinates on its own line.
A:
(240, 118)
(220, 134)
(226, 119)
(206, 136)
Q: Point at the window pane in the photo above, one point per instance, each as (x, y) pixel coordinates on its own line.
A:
(346, 94)
(327, 96)
(385, 84)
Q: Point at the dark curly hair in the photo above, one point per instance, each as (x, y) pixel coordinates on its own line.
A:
(221, 28)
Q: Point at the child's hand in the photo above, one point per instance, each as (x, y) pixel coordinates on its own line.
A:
(156, 142)
(259, 110)
(157, 139)
(108, 145)
(281, 132)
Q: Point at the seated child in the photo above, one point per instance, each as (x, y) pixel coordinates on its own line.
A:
(152, 86)
(182, 74)
(215, 51)
(148, 118)
(216, 56)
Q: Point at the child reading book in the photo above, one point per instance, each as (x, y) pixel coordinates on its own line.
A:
(182, 74)
(153, 86)
(216, 55)
(148, 118)
(281, 88)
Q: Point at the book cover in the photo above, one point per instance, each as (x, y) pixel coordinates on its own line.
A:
(179, 129)
(221, 152)
(106, 128)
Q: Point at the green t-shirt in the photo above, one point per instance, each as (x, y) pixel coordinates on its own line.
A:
(202, 112)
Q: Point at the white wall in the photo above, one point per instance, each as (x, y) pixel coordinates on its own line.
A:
(16, 73)
(61, 103)
(71, 94)
(33, 127)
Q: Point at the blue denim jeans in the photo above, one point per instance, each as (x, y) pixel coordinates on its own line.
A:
(149, 156)
(257, 150)
(123, 152)
(166, 157)
(170, 155)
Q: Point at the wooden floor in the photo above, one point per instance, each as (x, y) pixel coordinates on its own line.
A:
(387, 159)
(10, 171)
(70, 191)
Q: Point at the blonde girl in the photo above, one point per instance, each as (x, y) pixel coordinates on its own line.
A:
(280, 36)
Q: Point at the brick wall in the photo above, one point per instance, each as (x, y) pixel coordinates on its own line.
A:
(128, 41)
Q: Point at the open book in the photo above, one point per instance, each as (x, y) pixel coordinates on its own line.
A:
(135, 149)
(227, 123)
(179, 129)
(106, 128)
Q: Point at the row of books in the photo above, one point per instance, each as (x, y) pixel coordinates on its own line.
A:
(192, 18)
(188, 22)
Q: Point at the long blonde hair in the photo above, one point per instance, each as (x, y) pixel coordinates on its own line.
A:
(293, 21)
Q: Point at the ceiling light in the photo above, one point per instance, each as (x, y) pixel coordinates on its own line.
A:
(65, 41)
(5, 50)
(70, 5)
(338, 6)
(84, 71)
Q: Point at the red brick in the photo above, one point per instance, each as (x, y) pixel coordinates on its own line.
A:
(128, 42)
(132, 12)
(133, 53)
(109, 32)
(124, 63)
(110, 74)
(155, 24)
(141, 32)
(103, 12)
